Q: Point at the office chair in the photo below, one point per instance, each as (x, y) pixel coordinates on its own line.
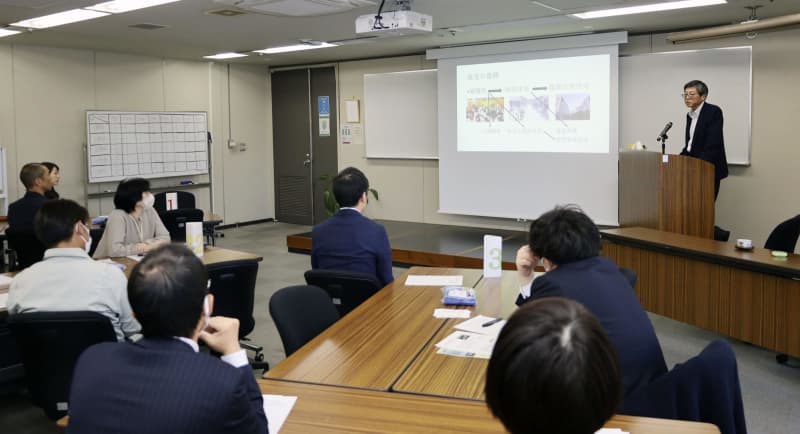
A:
(630, 276)
(50, 344)
(784, 236)
(175, 222)
(11, 369)
(25, 249)
(347, 289)
(233, 285)
(185, 200)
(300, 313)
(705, 388)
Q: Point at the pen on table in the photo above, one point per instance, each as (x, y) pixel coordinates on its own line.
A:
(494, 321)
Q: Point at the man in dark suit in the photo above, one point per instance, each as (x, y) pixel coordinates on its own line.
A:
(36, 180)
(348, 240)
(704, 130)
(568, 244)
(161, 384)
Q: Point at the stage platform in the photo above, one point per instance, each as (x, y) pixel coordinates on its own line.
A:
(434, 245)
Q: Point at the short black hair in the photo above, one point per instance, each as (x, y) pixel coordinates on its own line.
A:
(50, 166)
(701, 87)
(166, 291)
(553, 370)
(55, 220)
(129, 192)
(563, 235)
(30, 173)
(349, 185)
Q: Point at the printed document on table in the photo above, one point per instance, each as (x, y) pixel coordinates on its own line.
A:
(5, 281)
(434, 280)
(451, 313)
(466, 344)
(277, 409)
(3, 300)
(475, 325)
(610, 431)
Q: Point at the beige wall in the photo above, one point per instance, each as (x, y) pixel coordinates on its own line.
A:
(44, 92)
(752, 199)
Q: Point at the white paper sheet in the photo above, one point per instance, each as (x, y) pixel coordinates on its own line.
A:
(4, 300)
(136, 258)
(451, 313)
(434, 280)
(5, 281)
(475, 325)
(277, 409)
(464, 344)
(610, 431)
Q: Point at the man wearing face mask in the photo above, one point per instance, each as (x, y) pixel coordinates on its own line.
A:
(67, 279)
(568, 244)
(134, 228)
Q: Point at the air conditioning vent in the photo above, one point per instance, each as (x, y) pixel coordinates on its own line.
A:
(297, 8)
(226, 12)
(148, 26)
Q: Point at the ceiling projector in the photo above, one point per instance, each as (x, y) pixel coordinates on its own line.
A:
(395, 23)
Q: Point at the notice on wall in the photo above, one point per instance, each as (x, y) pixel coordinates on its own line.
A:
(352, 134)
(324, 111)
(324, 126)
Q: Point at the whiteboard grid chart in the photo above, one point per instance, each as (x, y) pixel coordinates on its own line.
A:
(145, 144)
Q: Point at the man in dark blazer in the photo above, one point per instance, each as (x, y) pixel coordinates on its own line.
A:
(568, 244)
(704, 130)
(161, 384)
(36, 180)
(349, 241)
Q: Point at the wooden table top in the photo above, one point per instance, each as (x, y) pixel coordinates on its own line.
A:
(460, 377)
(725, 253)
(329, 409)
(372, 345)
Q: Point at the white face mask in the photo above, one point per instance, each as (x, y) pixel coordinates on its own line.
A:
(148, 200)
(87, 244)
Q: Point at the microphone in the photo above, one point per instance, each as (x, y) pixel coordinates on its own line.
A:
(663, 133)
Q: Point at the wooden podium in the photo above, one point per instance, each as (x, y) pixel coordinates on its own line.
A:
(673, 196)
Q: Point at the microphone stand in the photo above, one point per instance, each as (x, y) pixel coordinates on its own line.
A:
(663, 140)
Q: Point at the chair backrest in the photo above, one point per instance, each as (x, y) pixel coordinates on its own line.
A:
(233, 284)
(630, 276)
(347, 289)
(50, 344)
(175, 222)
(703, 389)
(185, 200)
(300, 313)
(784, 236)
(27, 248)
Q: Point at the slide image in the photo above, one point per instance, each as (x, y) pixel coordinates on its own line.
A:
(524, 108)
(573, 107)
(485, 109)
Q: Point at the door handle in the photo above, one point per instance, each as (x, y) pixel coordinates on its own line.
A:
(307, 161)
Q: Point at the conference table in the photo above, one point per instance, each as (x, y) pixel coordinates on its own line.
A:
(749, 295)
(376, 369)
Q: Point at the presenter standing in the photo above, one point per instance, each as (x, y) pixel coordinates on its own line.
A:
(704, 130)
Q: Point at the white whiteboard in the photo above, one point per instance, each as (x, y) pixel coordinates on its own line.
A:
(650, 96)
(400, 115)
(145, 144)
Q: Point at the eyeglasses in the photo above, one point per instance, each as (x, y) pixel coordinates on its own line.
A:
(689, 95)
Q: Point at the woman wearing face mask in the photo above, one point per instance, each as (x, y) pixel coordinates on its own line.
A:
(134, 227)
(54, 172)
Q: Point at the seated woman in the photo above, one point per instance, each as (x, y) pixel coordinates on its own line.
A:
(553, 370)
(54, 173)
(134, 227)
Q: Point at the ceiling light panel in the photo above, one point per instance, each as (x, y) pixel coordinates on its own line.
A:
(225, 56)
(61, 18)
(298, 47)
(7, 32)
(122, 6)
(655, 7)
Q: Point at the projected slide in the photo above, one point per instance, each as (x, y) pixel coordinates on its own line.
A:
(540, 105)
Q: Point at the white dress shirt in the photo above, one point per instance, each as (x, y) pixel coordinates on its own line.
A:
(695, 115)
(67, 279)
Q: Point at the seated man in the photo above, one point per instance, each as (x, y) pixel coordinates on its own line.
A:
(553, 370)
(36, 179)
(348, 240)
(161, 384)
(568, 244)
(68, 279)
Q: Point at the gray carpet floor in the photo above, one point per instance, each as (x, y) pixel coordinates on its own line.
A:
(771, 392)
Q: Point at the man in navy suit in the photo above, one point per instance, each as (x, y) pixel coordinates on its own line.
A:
(162, 384)
(704, 130)
(567, 243)
(348, 240)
